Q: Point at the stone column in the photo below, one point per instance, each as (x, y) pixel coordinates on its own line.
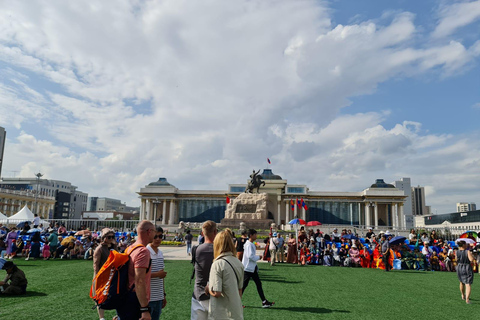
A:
(402, 217)
(393, 222)
(164, 212)
(351, 213)
(367, 215)
(143, 210)
(147, 209)
(359, 214)
(171, 219)
(295, 213)
(279, 213)
(376, 215)
(395, 209)
(304, 214)
(287, 212)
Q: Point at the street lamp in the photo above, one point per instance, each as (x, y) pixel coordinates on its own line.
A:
(38, 175)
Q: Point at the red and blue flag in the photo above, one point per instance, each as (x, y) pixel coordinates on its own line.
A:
(268, 160)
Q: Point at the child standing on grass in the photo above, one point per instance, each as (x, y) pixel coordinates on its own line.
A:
(46, 251)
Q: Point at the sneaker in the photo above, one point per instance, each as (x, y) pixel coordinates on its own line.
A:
(26, 259)
(267, 304)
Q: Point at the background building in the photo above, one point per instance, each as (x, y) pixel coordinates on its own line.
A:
(465, 206)
(380, 205)
(3, 137)
(455, 222)
(12, 201)
(418, 201)
(109, 204)
(405, 185)
(69, 202)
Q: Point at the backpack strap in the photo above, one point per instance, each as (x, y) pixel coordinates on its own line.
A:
(232, 268)
(193, 261)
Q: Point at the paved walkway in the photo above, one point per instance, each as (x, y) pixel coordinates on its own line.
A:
(180, 253)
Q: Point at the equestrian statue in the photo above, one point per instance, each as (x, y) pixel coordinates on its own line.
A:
(255, 182)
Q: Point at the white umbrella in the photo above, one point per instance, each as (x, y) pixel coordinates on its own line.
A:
(466, 240)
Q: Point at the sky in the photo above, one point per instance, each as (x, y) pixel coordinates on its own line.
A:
(112, 95)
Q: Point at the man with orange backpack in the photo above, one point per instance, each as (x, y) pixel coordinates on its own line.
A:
(136, 303)
(101, 255)
(123, 282)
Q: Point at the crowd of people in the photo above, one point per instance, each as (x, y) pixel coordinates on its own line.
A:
(419, 252)
(224, 264)
(54, 242)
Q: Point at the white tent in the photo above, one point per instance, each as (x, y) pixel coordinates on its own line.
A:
(25, 215)
(2, 216)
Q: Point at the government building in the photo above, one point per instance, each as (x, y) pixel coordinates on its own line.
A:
(381, 204)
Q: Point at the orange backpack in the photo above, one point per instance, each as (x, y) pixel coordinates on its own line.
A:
(110, 285)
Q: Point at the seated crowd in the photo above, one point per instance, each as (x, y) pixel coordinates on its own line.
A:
(347, 249)
(55, 242)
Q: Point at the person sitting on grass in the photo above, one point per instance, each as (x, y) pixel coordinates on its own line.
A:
(314, 252)
(78, 250)
(419, 260)
(327, 255)
(15, 283)
(304, 254)
(46, 251)
(26, 248)
(355, 256)
(434, 262)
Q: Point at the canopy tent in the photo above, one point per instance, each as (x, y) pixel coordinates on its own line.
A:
(24, 214)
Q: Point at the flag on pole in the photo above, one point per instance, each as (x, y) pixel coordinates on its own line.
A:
(304, 205)
(228, 200)
(299, 204)
(292, 204)
(268, 160)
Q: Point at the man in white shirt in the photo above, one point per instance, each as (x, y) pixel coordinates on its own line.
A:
(273, 248)
(249, 262)
(36, 221)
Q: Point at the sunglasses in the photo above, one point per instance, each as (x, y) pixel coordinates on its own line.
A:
(158, 237)
(110, 237)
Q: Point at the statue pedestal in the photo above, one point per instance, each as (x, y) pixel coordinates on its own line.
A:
(250, 208)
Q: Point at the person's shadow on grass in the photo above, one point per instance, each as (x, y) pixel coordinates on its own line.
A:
(26, 295)
(306, 309)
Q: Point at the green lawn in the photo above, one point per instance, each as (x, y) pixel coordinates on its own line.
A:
(59, 290)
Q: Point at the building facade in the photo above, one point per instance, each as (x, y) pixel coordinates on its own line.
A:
(405, 185)
(380, 205)
(12, 201)
(465, 206)
(109, 204)
(418, 201)
(69, 202)
(455, 222)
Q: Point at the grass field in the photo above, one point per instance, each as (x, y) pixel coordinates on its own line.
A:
(59, 290)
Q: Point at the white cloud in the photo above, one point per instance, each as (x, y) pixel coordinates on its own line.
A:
(200, 93)
(455, 16)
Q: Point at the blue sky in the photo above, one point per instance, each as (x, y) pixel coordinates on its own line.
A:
(113, 95)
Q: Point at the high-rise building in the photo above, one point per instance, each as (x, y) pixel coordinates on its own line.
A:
(465, 206)
(3, 137)
(405, 185)
(418, 201)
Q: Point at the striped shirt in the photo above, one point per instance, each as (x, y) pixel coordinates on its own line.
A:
(156, 284)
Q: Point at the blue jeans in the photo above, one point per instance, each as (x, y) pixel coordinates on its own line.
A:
(189, 247)
(156, 309)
